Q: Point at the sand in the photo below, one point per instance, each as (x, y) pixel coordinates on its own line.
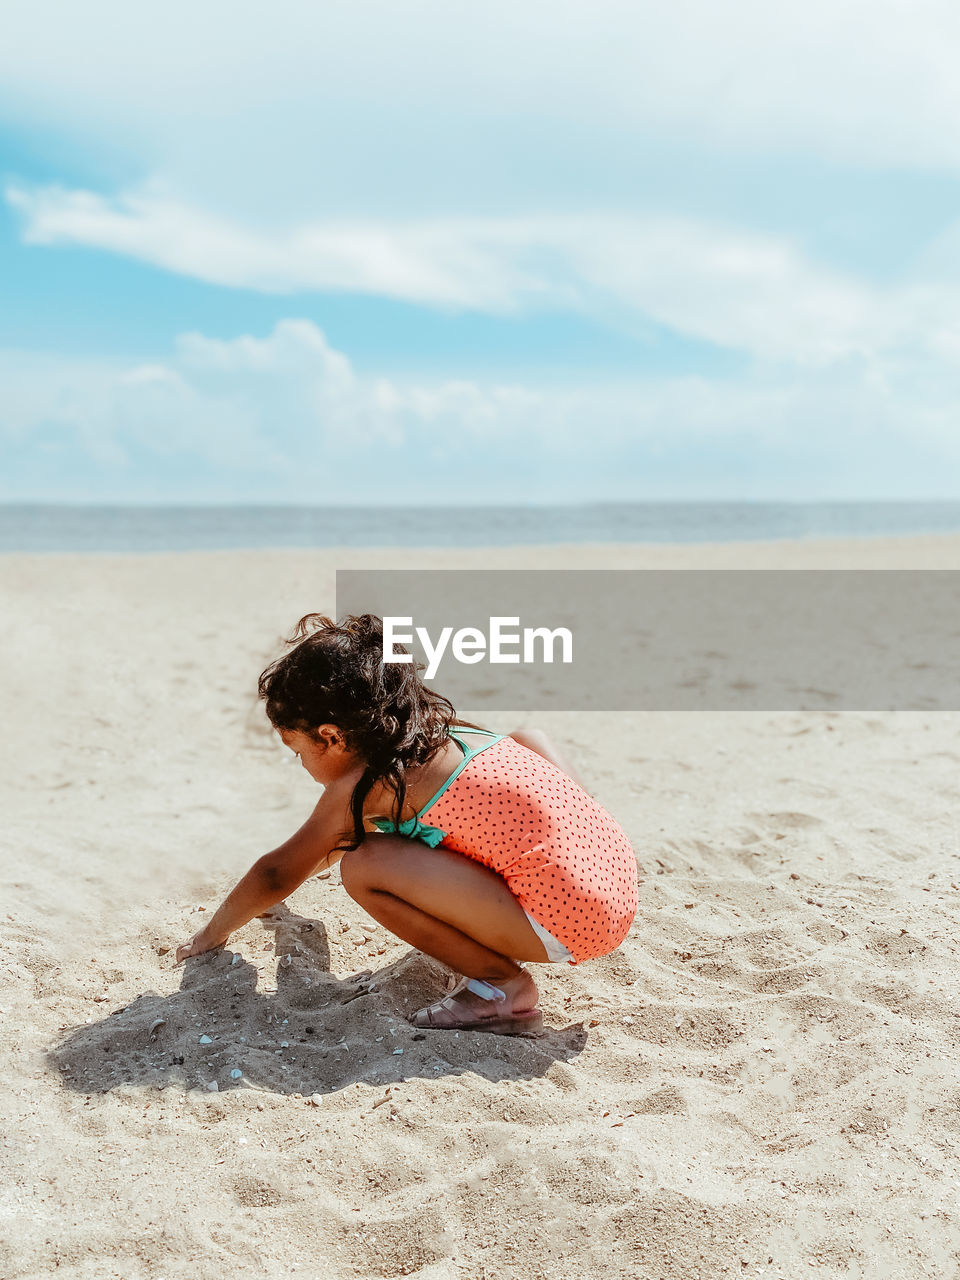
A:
(763, 1080)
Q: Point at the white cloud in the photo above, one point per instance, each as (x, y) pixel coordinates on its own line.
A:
(750, 292)
(286, 418)
(462, 263)
(455, 157)
(867, 82)
(745, 291)
(258, 415)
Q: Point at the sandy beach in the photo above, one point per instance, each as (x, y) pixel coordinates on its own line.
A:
(763, 1081)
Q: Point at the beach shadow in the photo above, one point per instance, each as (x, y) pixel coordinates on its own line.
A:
(313, 1033)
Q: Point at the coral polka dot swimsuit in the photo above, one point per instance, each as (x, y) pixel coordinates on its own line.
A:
(563, 857)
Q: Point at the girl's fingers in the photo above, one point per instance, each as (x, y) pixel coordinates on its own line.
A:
(195, 948)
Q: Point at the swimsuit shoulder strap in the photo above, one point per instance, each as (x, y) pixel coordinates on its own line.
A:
(468, 752)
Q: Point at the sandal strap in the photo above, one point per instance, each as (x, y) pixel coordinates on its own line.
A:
(486, 990)
(450, 1004)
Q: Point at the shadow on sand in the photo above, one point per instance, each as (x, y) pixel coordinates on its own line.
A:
(314, 1034)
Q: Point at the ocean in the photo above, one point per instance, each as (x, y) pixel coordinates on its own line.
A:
(43, 528)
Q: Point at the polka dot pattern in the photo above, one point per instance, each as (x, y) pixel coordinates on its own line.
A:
(562, 855)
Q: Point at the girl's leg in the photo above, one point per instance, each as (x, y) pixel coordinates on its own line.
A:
(451, 908)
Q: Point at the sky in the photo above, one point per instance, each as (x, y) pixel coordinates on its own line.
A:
(354, 251)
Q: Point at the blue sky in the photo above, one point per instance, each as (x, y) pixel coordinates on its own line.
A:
(396, 251)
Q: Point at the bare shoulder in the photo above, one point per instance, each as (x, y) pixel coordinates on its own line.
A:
(422, 782)
(536, 740)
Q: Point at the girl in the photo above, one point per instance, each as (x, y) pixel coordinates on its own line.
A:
(481, 849)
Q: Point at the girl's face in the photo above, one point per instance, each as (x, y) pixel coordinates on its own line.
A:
(325, 758)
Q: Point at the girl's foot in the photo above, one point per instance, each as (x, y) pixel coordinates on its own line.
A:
(509, 1008)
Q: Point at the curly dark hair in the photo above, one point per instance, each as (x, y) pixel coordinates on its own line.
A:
(335, 674)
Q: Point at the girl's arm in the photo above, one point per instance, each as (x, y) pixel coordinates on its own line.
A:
(539, 742)
(275, 876)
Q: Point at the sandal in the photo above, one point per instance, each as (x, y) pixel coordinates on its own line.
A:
(454, 1013)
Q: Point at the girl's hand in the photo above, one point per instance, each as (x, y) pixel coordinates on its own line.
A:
(198, 944)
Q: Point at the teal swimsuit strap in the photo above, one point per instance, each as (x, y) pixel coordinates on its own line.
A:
(467, 757)
(415, 826)
(495, 737)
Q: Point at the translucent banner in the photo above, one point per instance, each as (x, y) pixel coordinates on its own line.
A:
(672, 640)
